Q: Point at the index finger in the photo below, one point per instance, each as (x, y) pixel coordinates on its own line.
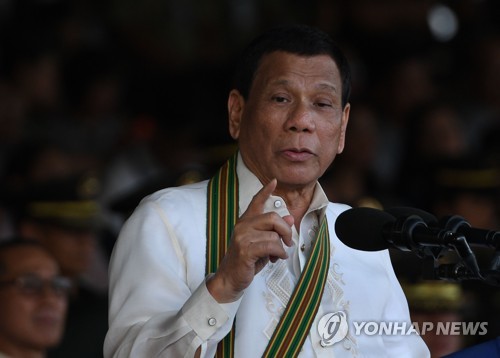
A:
(256, 206)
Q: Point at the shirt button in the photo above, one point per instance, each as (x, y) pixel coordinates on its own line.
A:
(212, 321)
(303, 247)
(277, 204)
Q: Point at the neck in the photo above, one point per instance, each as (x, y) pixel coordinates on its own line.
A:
(297, 200)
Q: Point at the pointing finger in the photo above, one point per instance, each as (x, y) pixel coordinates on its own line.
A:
(256, 206)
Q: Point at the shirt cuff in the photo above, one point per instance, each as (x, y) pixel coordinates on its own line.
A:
(205, 315)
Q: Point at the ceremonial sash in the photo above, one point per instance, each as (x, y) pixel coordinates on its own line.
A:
(222, 213)
(296, 321)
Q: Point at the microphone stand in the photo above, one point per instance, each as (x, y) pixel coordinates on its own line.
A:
(492, 275)
(411, 233)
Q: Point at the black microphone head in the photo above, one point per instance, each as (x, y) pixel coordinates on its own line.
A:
(362, 228)
(455, 223)
(405, 211)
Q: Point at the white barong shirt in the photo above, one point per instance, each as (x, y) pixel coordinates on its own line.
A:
(160, 306)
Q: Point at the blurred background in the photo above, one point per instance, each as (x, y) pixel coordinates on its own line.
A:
(107, 101)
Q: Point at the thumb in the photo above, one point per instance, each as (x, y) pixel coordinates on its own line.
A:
(289, 220)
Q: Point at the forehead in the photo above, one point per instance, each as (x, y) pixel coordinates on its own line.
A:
(27, 259)
(278, 66)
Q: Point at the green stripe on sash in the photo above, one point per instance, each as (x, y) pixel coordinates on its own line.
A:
(296, 321)
(222, 213)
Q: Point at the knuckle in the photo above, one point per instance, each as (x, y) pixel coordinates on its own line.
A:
(275, 236)
(242, 251)
(273, 216)
(267, 247)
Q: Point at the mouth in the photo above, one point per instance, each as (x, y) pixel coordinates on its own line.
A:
(48, 319)
(298, 154)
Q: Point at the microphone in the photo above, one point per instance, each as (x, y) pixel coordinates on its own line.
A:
(399, 211)
(363, 228)
(371, 229)
(455, 223)
(479, 237)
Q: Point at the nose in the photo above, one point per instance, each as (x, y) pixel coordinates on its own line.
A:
(49, 294)
(300, 118)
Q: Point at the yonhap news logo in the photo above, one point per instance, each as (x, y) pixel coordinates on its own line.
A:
(421, 328)
(334, 327)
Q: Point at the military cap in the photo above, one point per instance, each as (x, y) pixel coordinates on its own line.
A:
(70, 202)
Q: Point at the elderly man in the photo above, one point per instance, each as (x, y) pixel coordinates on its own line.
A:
(248, 264)
(33, 300)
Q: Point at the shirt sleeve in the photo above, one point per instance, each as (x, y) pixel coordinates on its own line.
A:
(153, 312)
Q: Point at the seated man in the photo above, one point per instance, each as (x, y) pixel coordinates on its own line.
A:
(33, 300)
(63, 214)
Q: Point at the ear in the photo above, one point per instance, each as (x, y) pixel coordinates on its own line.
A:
(343, 127)
(235, 105)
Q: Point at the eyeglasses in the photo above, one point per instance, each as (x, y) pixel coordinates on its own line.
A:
(33, 285)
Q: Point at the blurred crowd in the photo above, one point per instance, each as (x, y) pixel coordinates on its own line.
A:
(104, 102)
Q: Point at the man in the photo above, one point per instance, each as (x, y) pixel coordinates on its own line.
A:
(63, 214)
(437, 303)
(286, 282)
(33, 300)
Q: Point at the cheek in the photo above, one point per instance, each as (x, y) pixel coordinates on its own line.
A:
(59, 307)
(330, 136)
(258, 134)
(5, 310)
(15, 313)
(64, 306)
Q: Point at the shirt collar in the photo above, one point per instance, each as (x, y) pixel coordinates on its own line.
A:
(249, 185)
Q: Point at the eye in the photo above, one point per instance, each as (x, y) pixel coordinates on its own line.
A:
(61, 285)
(323, 103)
(30, 284)
(280, 99)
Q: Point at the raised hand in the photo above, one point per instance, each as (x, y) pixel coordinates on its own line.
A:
(257, 239)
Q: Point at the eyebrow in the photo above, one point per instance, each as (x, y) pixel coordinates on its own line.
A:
(326, 86)
(281, 82)
(321, 86)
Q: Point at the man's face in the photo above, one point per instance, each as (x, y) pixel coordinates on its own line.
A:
(29, 321)
(292, 125)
